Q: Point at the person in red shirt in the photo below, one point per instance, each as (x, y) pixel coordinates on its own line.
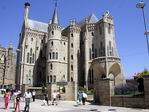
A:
(7, 99)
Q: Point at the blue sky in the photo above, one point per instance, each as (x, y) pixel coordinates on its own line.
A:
(129, 27)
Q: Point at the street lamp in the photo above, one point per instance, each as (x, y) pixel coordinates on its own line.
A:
(141, 5)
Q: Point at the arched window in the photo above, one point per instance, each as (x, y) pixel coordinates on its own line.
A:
(51, 66)
(110, 48)
(54, 78)
(71, 45)
(50, 78)
(56, 55)
(33, 58)
(93, 55)
(30, 60)
(71, 79)
(52, 32)
(53, 55)
(72, 57)
(92, 33)
(27, 57)
(72, 67)
(50, 55)
(109, 28)
(71, 34)
(30, 51)
(52, 43)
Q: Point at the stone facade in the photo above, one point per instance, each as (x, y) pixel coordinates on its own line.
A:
(67, 57)
(7, 67)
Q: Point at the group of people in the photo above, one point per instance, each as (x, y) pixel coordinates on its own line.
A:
(82, 96)
(55, 96)
(7, 96)
(16, 94)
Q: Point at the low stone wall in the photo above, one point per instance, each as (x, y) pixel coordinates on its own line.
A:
(128, 101)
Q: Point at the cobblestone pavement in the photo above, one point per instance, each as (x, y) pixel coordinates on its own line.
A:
(69, 106)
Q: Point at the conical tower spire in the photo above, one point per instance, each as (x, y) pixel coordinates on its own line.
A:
(55, 19)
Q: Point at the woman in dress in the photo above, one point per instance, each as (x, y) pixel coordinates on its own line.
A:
(7, 99)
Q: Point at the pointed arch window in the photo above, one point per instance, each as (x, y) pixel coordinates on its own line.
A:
(53, 55)
(72, 57)
(52, 43)
(92, 33)
(30, 60)
(71, 34)
(33, 58)
(50, 55)
(27, 57)
(54, 78)
(52, 32)
(51, 66)
(109, 28)
(50, 78)
(71, 79)
(56, 55)
(71, 45)
(71, 67)
(30, 51)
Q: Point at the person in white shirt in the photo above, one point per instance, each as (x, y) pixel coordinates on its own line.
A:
(54, 96)
(84, 97)
(27, 97)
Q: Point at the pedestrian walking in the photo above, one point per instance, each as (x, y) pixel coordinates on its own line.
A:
(58, 95)
(84, 97)
(17, 105)
(54, 96)
(7, 99)
(79, 98)
(46, 99)
(33, 95)
(27, 96)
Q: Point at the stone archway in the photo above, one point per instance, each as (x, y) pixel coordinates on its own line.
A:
(96, 72)
(114, 73)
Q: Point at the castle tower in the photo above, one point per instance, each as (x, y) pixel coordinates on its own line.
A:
(106, 62)
(54, 62)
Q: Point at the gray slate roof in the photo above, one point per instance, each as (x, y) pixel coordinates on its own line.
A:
(91, 19)
(37, 26)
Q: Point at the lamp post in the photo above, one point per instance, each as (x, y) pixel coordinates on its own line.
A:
(141, 5)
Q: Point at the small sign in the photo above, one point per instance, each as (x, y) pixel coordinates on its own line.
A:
(61, 83)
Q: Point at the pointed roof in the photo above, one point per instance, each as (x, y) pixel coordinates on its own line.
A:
(37, 26)
(91, 19)
(55, 19)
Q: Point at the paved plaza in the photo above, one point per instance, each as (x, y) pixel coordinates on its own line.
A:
(69, 106)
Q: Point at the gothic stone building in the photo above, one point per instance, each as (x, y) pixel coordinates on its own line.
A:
(7, 67)
(67, 57)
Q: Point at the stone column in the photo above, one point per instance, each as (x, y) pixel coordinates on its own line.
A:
(70, 91)
(104, 90)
